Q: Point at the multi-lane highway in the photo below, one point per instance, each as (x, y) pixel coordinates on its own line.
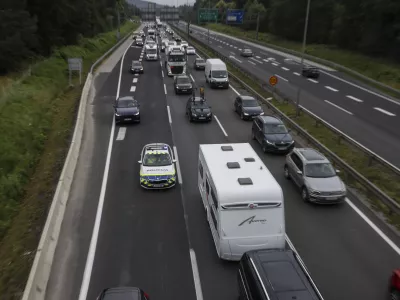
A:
(116, 233)
(366, 115)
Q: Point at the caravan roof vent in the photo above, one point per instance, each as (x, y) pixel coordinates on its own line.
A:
(226, 148)
(245, 181)
(233, 165)
(249, 159)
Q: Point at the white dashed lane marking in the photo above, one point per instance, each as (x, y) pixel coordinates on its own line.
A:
(384, 111)
(135, 80)
(338, 107)
(312, 80)
(133, 88)
(284, 79)
(121, 134)
(297, 74)
(259, 61)
(354, 98)
(285, 69)
(258, 57)
(331, 88)
(275, 64)
(252, 62)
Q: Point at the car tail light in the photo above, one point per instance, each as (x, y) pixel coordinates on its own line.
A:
(146, 295)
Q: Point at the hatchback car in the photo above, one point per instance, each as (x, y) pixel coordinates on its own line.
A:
(247, 107)
(126, 109)
(246, 52)
(139, 42)
(199, 64)
(272, 134)
(197, 109)
(313, 173)
(182, 85)
(190, 50)
(157, 166)
(310, 72)
(136, 67)
(126, 293)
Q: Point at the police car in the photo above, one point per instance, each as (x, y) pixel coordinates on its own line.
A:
(157, 167)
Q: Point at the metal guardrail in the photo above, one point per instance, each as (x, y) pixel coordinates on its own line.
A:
(318, 60)
(368, 185)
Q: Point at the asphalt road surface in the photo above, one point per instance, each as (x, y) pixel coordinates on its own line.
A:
(160, 240)
(359, 111)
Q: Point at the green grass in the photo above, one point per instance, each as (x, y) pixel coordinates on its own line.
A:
(36, 122)
(381, 176)
(381, 70)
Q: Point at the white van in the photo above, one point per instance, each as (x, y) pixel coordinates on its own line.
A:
(216, 73)
(243, 201)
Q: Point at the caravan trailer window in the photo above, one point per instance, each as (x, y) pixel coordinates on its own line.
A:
(214, 198)
(214, 218)
(201, 170)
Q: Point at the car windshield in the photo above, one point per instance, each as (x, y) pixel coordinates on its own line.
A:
(183, 80)
(200, 61)
(250, 103)
(246, 50)
(151, 51)
(157, 160)
(219, 74)
(138, 40)
(176, 58)
(319, 170)
(190, 48)
(275, 129)
(125, 103)
(136, 64)
(200, 105)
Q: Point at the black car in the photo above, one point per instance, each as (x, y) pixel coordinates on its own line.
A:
(247, 107)
(199, 64)
(136, 67)
(272, 134)
(126, 109)
(310, 72)
(182, 85)
(197, 109)
(246, 52)
(125, 293)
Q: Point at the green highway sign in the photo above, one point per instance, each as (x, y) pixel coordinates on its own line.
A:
(207, 15)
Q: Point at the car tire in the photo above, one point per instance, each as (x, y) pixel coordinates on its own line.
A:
(242, 116)
(253, 136)
(286, 172)
(190, 118)
(264, 148)
(304, 194)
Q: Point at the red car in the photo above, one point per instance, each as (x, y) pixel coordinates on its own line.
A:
(394, 287)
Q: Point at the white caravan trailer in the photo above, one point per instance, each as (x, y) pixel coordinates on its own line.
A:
(243, 201)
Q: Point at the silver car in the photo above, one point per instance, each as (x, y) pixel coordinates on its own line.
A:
(314, 174)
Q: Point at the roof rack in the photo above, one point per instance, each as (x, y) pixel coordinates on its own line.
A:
(249, 159)
(233, 165)
(226, 148)
(245, 181)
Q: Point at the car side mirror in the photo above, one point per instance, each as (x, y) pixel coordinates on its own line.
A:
(209, 76)
(337, 171)
(174, 160)
(300, 172)
(139, 161)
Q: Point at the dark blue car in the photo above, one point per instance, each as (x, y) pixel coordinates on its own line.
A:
(126, 109)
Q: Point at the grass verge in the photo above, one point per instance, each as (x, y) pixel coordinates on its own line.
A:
(37, 120)
(379, 69)
(382, 177)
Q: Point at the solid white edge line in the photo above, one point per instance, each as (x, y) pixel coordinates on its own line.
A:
(121, 134)
(192, 77)
(373, 226)
(385, 111)
(196, 275)
(178, 168)
(339, 107)
(165, 89)
(284, 79)
(169, 115)
(220, 125)
(233, 89)
(96, 228)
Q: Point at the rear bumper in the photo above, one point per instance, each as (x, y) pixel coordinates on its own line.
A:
(156, 186)
(327, 200)
(224, 85)
(184, 91)
(127, 119)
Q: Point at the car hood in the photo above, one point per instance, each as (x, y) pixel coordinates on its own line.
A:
(202, 110)
(127, 111)
(253, 110)
(331, 184)
(277, 138)
(184, 85)
(137, 67)
(158, 172)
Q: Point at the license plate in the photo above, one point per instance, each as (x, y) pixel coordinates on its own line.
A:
(128, 119)
(184, 90)
(282, 148)
(220, 86)
(158, 185)
(202, 118)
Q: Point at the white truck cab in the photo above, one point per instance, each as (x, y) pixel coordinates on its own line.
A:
(216, 73)
(243, 201)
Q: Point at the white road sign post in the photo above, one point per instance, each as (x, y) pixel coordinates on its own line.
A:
(75, 64)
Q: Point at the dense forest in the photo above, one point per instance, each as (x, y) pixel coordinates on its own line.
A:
(371, 27)
(32, 28)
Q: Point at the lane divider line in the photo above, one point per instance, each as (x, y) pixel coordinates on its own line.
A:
(331, 88)
(233, 89)
(253, 63)
(178, 168)
(169, 115)
(165, 89)
(220, 125)
(338, 107)
(135, 80)
(384, 111)
(259, 61)
(162, 73)
(192, 77)
(121, 134)
(297, 74)
(312, 80)
(275, 64)
(258, 57)
(196, 275)
(284, 79)
(354, 98)
(285, 69)
(133, 88)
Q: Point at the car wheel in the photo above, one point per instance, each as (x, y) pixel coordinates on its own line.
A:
(286, 172)
(304, 194)
(242, 116)
(264, 148)
(190, 118)
(253, 136)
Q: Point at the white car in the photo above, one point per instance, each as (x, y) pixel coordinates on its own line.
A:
(157, 167)
(190, 50)
(184, 44)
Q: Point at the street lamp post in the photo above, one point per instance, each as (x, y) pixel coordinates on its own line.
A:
(302, 55)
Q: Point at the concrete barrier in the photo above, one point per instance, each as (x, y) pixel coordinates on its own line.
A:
(36, 285)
